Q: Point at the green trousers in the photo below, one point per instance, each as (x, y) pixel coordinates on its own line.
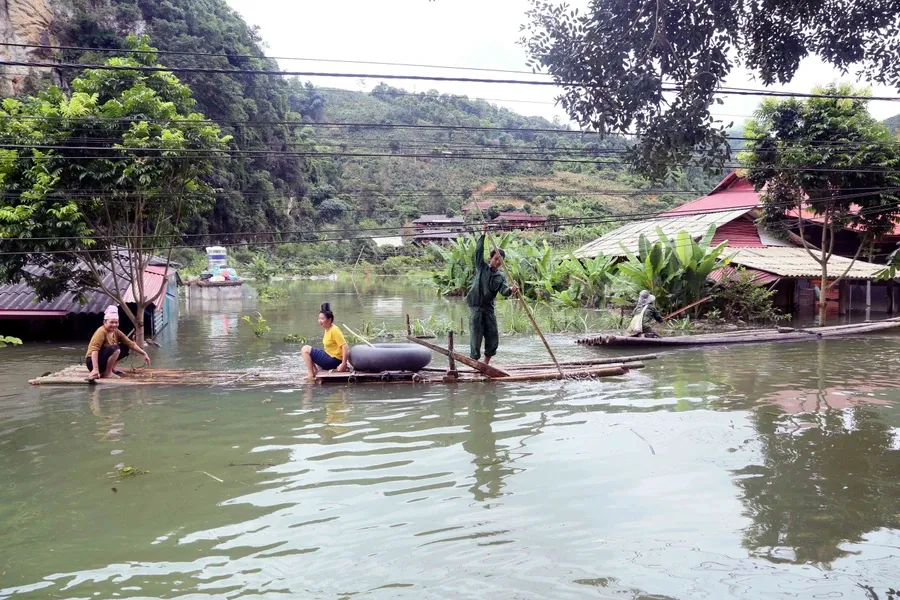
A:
(483, 327)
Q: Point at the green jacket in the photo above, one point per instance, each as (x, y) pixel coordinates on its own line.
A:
(487, 283)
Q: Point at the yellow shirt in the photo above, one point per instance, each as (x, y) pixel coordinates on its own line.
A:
(333, 340)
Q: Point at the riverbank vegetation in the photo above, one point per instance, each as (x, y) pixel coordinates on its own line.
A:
(674, 269)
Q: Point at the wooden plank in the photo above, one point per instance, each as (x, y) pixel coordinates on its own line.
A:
(478, 366)
(551, 375)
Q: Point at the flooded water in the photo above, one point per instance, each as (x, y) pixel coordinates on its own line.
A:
(764, 471)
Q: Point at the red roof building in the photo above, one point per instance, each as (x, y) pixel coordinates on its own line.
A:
(519, 220)
(732, 193)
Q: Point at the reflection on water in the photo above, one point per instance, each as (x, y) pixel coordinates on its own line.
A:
(748, 472)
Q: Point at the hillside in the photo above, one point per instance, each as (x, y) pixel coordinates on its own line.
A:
(893, 123)
(387, 156)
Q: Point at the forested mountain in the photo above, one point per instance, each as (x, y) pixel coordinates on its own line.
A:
(340, 158)
(893, 123)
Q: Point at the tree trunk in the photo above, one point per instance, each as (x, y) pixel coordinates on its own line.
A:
(823, 302)
(139, 324)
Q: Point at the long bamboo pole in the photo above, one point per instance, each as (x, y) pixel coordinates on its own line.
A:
(364, 340)
(519, 295)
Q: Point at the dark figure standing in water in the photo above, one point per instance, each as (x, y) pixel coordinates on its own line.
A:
(489, 281)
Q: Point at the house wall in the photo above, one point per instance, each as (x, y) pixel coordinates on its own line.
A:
(845, 297)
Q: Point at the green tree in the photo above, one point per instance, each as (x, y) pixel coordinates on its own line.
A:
(97, 182)
(624, 54)
(829, 159)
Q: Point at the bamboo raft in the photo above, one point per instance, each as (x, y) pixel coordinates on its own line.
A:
(77, 375)
(779, 334)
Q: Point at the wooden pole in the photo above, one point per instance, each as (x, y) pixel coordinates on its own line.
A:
(478, 366)
(681, 310)
(451, 362)
(519, 295)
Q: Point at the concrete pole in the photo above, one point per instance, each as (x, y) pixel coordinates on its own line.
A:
(868, 299)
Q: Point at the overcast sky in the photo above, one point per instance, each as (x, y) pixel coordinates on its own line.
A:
(465, 33)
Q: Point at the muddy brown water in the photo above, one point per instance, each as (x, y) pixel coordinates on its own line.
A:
(759, 471)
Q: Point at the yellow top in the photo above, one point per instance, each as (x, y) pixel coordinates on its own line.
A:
(102, 338)
(334, 341)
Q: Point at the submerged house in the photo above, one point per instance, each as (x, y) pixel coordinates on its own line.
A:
(68, 316)
(733, 207)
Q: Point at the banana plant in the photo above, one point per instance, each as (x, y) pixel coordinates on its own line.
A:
(589, 281)
(675, 270)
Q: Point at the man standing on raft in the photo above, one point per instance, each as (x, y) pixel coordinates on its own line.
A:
(488, 282)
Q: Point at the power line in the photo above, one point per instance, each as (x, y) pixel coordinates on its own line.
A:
(512, 156)
(571, 221)
(280, 73)
(264, 57)
(426, 127)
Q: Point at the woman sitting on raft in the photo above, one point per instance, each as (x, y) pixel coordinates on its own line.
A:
(336, 353)
(109, 346)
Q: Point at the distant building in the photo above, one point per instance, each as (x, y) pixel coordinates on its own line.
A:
(733, 207)
(436, 236)
(68, 316)
(388, 242)
(439, 222)
(519, 220)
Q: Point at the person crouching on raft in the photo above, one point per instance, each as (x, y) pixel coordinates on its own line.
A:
(336, 353)
(109, 346)
(644, 313)
(488, 282)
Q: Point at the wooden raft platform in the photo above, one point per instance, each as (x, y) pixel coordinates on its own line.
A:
(779, 334)
(589, 369)
(77, 375)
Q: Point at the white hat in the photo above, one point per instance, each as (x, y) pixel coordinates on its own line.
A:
(112, 312)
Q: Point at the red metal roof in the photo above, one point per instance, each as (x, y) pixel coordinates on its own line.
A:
(732, 193)
(520, 216)
(760, 278)
(808, 215)
(740, 233)
(154, 284)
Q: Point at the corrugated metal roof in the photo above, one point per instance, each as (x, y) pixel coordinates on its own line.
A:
(759, 278)
(520, 216)
(768, 239)
(21, 296)
(740, 233)
(628, 235)
(797, 263)
(732, 192)
(394, 241)
(439, 219)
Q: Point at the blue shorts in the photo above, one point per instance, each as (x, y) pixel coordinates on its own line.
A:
(324, 360)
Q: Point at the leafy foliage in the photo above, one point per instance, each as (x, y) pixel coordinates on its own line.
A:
(97, 181)
(255, 191)
(6, 340)
(675, 270)
(690, 47)
(830, 159)
(258, 325)
(740, 299)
